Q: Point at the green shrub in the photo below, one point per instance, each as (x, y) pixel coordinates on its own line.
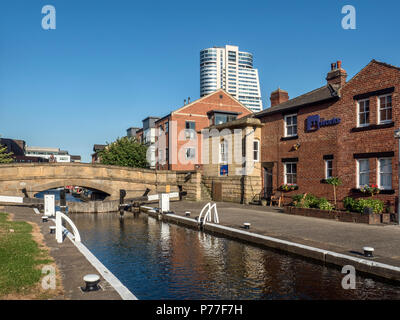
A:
(311, 201)
(349, 203)
(358, 205)
(324, 204)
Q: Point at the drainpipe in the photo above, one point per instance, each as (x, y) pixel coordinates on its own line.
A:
(397, 136)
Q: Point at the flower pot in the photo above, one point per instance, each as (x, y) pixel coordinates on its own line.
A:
(385, 218)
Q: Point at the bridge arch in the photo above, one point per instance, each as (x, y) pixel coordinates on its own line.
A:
(72, 182)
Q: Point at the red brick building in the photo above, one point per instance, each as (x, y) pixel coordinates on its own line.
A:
(181, 148)
(343, 129)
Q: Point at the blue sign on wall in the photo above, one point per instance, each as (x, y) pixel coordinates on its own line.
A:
(223, 170)
(315, 122)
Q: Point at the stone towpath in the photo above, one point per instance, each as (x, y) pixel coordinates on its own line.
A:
(340, 237)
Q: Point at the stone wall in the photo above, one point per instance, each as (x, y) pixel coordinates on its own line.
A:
(239, 189)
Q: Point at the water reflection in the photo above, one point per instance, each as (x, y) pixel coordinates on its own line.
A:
(156, 260)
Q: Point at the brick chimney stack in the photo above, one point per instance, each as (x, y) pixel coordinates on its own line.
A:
(279, 96)
(337, 75)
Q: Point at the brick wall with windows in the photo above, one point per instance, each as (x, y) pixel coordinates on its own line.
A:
(347, 132)
(188, 121)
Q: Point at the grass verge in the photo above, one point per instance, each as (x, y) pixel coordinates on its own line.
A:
(21, 259)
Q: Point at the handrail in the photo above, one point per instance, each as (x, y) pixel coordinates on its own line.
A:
(209, 213)
(59, 227)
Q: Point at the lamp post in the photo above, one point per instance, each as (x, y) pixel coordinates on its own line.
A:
(397, 136)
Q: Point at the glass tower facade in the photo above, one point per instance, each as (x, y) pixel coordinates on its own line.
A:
(232, 70)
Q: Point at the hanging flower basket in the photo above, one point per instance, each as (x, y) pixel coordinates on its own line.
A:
(288, 187)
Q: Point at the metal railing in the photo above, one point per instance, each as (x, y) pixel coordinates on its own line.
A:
(60, 229)
(211, 208)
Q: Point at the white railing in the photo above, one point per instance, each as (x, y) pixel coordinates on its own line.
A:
(211, 213)
(60, 228)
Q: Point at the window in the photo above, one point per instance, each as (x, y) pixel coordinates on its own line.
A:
(291, 172)
(385, 173)
(223, 152)
(291, 125)
(166, 127)
(256, 150)
(160, 156)
(160, 130)
(190, 153)
(363, 113)
(385, 109)
(328, 169)
(190, 132)
(167, 154)
(363, 172)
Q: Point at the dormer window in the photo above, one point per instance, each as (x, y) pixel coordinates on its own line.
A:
(218, 117)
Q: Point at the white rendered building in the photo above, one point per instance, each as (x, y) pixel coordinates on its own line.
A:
(232, 70)
(47, 153)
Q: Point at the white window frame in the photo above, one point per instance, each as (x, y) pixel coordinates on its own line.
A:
(378, 176)
(190, 134)
(256, 150)
(326, 168)
(285, 172)
(358, 172)
(223, 157)
(358, 113)
(379, 109)
(285, 124)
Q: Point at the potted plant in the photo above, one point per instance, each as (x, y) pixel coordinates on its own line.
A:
(335, 182)
(286, 187)
(370, 189)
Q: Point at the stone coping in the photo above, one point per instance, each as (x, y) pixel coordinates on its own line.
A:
(92, 165)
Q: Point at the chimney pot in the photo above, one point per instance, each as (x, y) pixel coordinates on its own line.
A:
(339, 64)
(184, 101)
(188, 100)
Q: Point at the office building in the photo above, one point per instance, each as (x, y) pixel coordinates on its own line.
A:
(232, 70)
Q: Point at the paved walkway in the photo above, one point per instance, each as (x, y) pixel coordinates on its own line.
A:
(72, 265)
(341, 237)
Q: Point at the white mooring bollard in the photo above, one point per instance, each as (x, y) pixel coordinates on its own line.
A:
(91, 281)
(368, 251)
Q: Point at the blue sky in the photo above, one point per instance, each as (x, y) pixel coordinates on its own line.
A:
(109, 64)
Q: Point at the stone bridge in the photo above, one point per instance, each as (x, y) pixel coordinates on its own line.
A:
(37, 177)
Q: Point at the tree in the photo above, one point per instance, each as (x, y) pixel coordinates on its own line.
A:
(125, 152)
(4, 156)
(335, 182)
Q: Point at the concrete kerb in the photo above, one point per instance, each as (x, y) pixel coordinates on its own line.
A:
(329, 257)
(105, 273)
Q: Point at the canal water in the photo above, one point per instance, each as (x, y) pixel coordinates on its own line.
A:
(156, 260)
